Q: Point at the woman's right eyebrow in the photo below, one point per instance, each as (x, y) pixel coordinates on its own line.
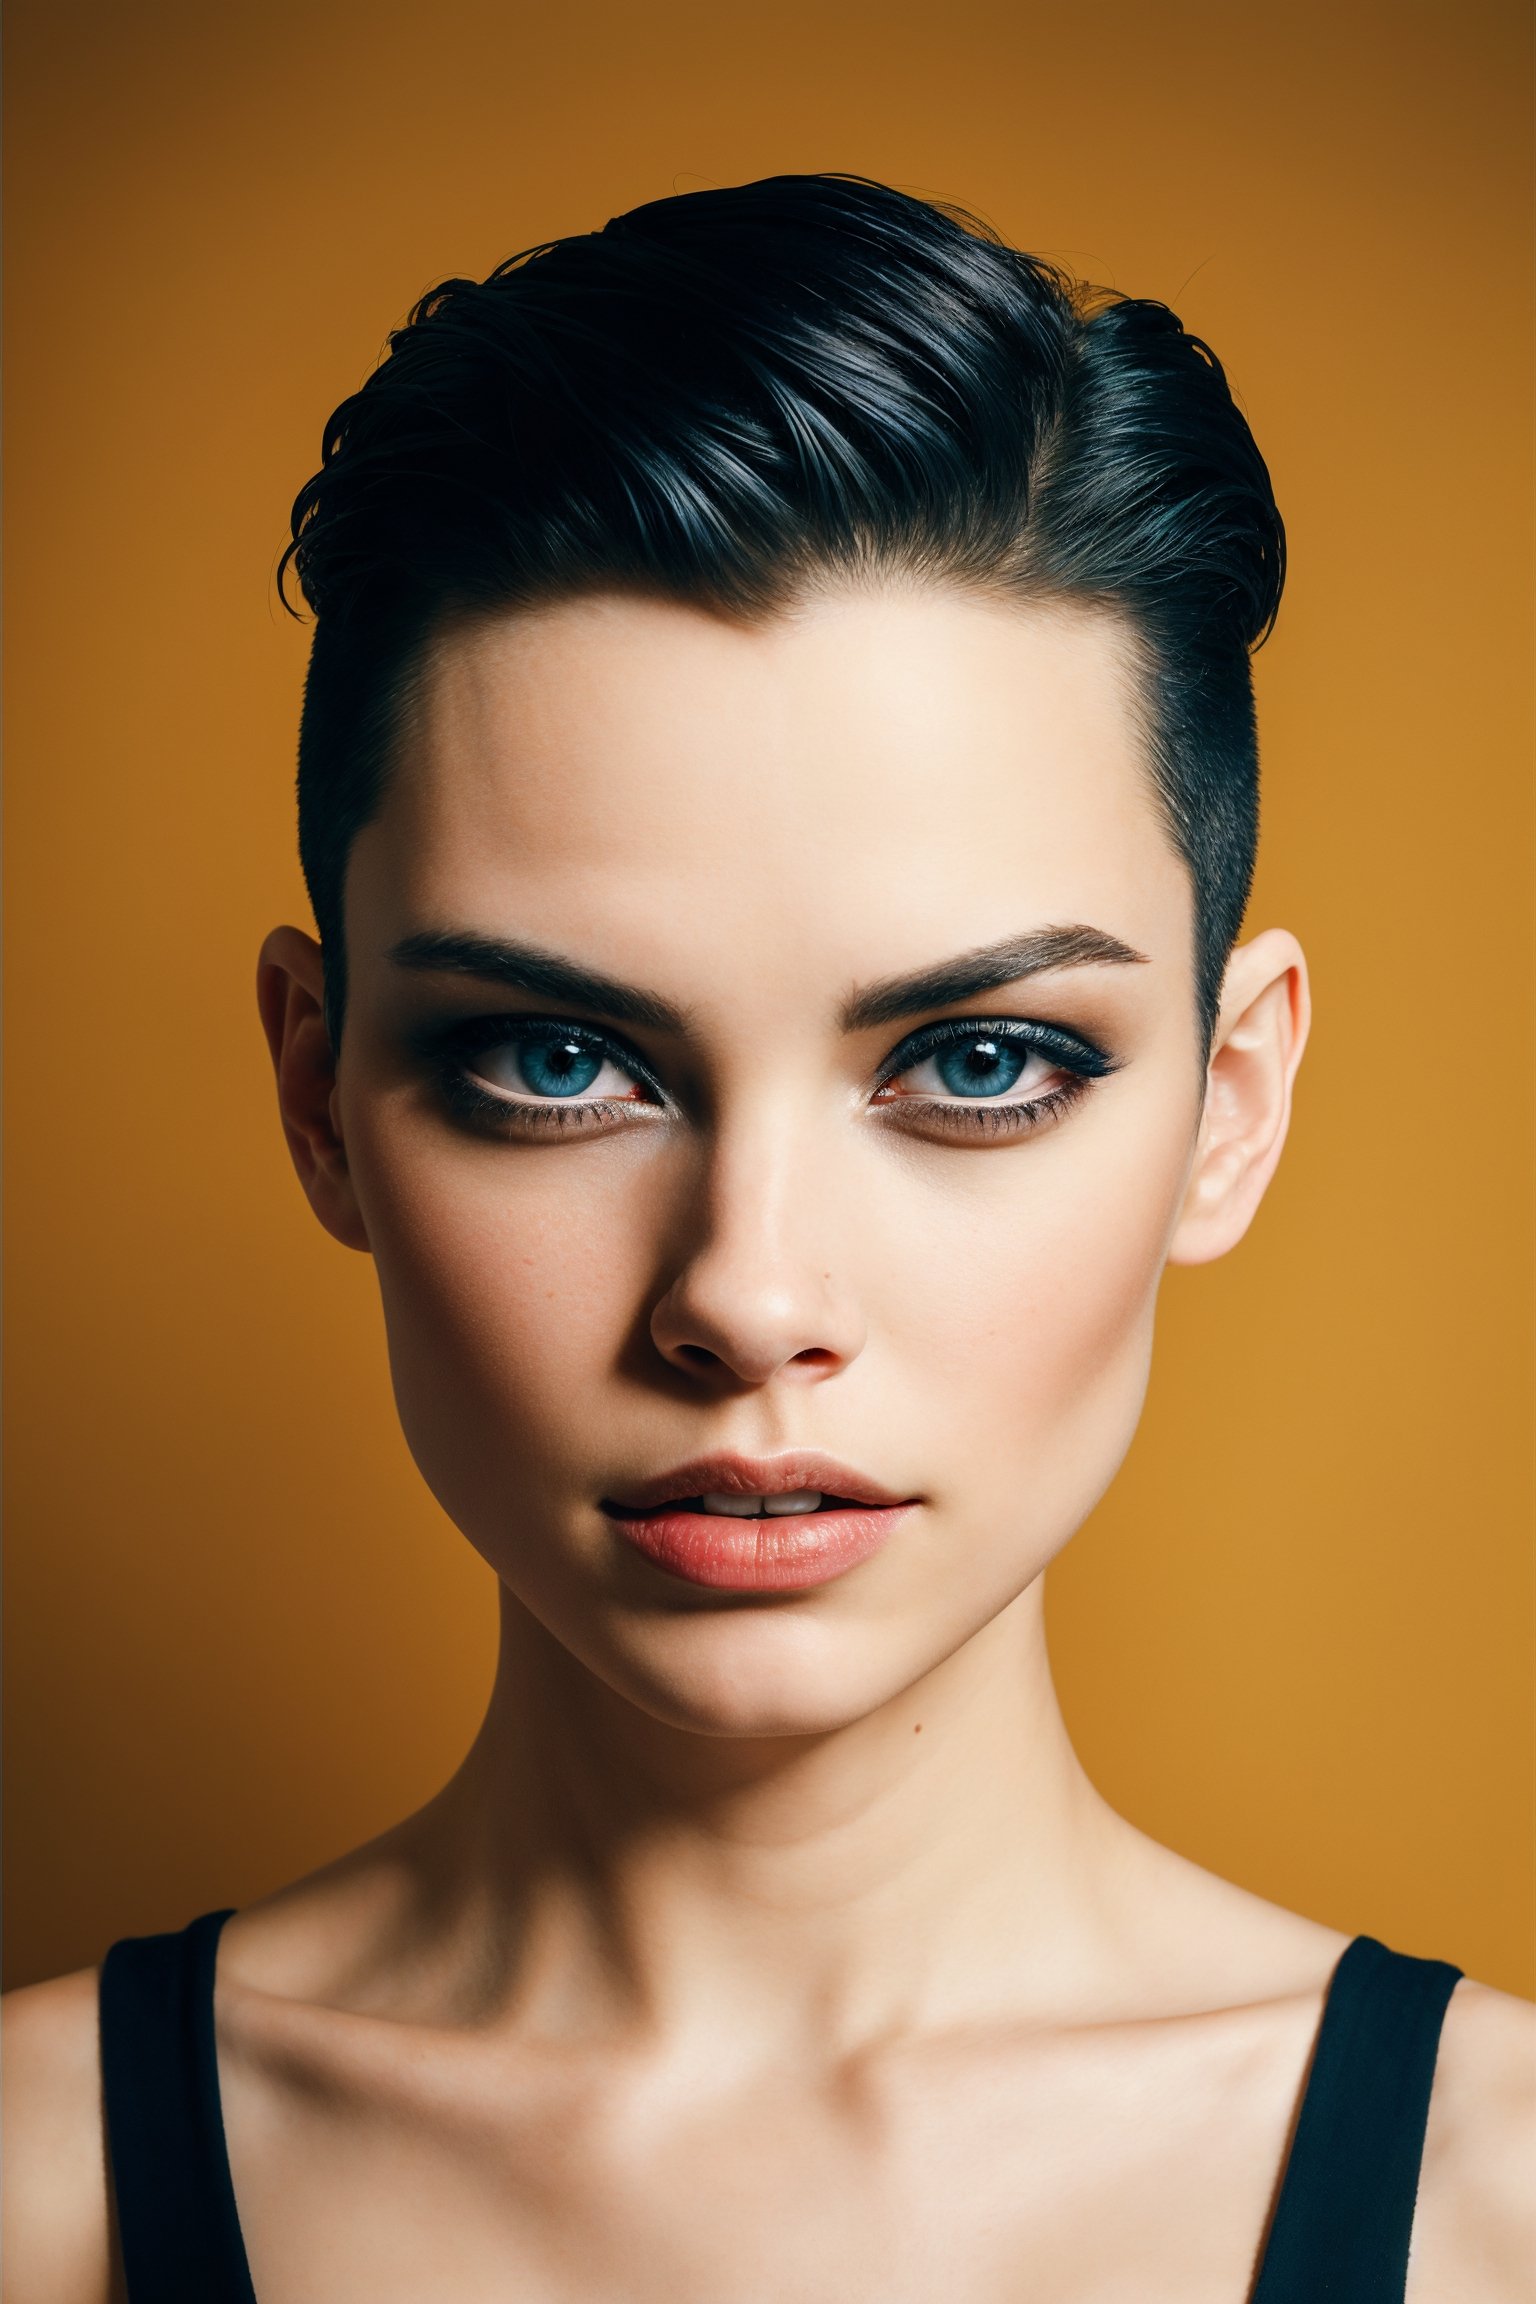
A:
(519, 967)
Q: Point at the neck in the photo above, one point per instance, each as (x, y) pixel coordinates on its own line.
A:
(943, 1860)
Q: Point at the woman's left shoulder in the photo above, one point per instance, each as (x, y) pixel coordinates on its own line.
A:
(1475, 2226)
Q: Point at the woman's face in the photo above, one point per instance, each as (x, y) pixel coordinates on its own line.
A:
(755, 1194)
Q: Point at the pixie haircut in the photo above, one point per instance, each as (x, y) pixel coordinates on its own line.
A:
(731, 399)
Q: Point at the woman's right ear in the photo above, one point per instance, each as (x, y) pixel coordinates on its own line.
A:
(290, 992)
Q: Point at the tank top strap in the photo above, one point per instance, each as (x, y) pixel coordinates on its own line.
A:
(177, 2222)
(1344, 2216)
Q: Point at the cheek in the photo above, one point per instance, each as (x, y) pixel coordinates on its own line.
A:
(512, 1280)
(1036, 1302)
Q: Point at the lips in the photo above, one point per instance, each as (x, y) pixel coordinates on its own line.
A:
(745, 1524)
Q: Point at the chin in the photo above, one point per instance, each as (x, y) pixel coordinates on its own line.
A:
(754, 1670)
(760, 1668)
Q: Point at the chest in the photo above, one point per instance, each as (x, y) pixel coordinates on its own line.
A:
(1127, 2169)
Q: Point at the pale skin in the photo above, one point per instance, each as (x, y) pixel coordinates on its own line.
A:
(774, 1948)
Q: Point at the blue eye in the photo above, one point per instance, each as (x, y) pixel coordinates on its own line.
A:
(981, 1067)
(560, 1066)
(986, 1079)
(540, 1062)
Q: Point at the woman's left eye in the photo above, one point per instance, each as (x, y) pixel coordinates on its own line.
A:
(988, 1074)
(983, 1066)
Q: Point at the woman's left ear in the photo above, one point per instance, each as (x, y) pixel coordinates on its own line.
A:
(1260, 1034)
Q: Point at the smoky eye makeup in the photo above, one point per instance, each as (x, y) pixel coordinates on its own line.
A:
(535, 1075)
(964, 1079)
(980, 1078)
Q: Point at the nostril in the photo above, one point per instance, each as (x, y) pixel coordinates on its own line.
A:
(749, 1336)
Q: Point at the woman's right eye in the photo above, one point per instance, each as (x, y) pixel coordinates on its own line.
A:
(527, 1076)
(554, 1063)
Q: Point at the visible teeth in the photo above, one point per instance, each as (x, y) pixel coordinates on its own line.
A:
(755, 1507)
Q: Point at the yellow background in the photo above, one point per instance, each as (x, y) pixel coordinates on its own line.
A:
(1296, 1640)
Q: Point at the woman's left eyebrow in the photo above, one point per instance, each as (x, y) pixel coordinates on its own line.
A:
(986, 969)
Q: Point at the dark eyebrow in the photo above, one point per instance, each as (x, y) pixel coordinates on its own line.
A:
(527, 968)
(985, 970)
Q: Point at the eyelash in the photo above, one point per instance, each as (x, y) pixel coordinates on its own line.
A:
(449, 1052)
(1078, 1061)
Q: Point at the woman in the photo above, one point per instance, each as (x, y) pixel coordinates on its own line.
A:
(778, 792)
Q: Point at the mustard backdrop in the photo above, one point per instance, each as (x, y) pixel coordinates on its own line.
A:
(1296, 1639)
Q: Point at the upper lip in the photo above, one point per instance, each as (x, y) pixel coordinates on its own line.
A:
(731, 1475)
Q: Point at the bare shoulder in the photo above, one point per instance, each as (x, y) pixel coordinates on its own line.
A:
(56, 2225)
(1475, 2229)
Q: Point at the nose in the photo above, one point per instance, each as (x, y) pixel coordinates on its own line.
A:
(759, 1291)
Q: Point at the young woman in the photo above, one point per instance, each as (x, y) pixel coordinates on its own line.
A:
(778, 790)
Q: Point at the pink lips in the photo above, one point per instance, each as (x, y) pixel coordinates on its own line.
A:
(791, 1553)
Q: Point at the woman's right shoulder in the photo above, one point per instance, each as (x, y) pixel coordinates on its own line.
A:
(57, 2217)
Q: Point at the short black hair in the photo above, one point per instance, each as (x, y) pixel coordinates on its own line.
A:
(726, 397)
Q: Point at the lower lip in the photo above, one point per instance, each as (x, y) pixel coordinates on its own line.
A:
(782, 1552)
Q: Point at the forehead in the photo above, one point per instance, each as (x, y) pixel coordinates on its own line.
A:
(888, 774)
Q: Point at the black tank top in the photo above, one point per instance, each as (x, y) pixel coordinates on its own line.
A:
(1339, 2231)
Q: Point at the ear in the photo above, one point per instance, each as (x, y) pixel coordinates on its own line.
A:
(290, 992)
(1260, 1034)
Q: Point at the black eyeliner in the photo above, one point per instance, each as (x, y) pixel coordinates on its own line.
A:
(444, 1044)
(1068, 1049)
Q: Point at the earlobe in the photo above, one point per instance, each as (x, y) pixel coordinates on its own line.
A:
(290, 989)
(1260, 1035)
